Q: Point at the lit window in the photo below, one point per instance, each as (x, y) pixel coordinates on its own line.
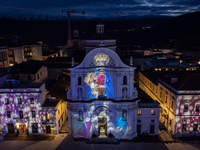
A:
(6, 101)
(32, 100)
(153, 112)
(156, 69)
(19, 101)
(186, 108)
(139, 112)
(47, 117)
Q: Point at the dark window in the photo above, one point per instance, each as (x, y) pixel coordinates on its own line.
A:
(29, 77)
(41, 73)
(152, 129)
(62, 118)
(139, 129)
(38, 77)
(79, 80)
(183, 127)
(59, 123)
(197, 107)
(166, 99)
(80, 117)
(138, 120)
(172, 104)
(19, 101)
(124, 79)
(124, 115)
(32, 100)
(33, 113)
(34, 128)
(152, 120)
(195, 127)
(170, 122)
(6, 101)
(8, 114)
(21, 114)
(186, 108)
(160, 94)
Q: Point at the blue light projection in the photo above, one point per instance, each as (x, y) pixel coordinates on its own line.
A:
(99, 81)
(98, 111)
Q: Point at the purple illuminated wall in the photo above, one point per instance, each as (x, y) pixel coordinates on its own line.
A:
(27, 109)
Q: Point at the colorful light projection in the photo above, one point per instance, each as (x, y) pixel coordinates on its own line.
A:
(189, 118)
(27, 109)
(99, 82)
(104, 115)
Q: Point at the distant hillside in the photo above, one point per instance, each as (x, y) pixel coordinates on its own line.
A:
(184, 29)
(55, 31)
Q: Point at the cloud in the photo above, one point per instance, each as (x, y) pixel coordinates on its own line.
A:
(107, 8)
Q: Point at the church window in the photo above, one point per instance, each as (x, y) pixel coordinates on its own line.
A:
(124, 80)
(80, 115)
(79, 93)
(79, 80)
(124, 115)
(124, 92)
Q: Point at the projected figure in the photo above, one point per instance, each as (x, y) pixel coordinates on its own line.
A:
(99, 82)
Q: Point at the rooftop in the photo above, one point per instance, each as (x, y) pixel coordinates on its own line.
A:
(188, 81)
(50, 102)
(28, 67)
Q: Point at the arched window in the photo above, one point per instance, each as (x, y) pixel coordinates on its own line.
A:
(79, 93)
(79, 80)
(124, 115)
(80, 115)
(124, 79)
(124, 92)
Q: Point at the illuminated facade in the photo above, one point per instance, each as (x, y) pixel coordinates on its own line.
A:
(102, 97)
(24, 106)
(178, 96)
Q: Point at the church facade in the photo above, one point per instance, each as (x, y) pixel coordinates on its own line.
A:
(102, 99)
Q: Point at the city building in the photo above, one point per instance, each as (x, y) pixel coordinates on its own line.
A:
(99, 39)
(103, 101)
(24, 105)
(178, 95)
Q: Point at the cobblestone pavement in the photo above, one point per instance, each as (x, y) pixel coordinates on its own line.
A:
(62, 141)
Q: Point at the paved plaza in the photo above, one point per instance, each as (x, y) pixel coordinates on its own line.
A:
(63, 141)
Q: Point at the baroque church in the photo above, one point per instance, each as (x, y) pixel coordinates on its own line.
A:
(102, 99)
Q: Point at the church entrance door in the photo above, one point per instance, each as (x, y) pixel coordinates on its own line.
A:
(102, 122)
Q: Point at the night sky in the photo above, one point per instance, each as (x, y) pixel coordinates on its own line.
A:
(100, 8)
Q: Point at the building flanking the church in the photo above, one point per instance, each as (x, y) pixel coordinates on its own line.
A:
(102, 99)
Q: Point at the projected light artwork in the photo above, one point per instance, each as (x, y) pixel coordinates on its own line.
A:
(99, 81)
(103, 116)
